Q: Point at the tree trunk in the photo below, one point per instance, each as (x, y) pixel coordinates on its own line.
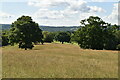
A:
(62, 42)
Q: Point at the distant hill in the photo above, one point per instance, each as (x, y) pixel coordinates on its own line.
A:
(46, 28)
(4, 26)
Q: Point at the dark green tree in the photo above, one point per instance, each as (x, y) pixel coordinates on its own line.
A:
(48, 36)
(111, 39)
(93, 34)
(62, 37)
(117, 34)
(4, 38)
(25, 32)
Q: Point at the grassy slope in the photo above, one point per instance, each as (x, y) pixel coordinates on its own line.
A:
(59, 61)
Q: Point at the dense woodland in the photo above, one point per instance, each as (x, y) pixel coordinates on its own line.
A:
(94, 33)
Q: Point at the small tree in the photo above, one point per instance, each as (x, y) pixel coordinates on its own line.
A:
(25, 32)
(62, 37)
(48, 36)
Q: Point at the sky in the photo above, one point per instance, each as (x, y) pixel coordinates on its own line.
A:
(58, 12)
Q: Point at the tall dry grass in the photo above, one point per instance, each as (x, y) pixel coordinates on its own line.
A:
(59, 61)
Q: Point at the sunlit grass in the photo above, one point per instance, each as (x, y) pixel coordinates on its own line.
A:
(59, 61)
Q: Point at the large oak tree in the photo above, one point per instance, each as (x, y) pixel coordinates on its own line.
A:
(25, 32)
(95, 34)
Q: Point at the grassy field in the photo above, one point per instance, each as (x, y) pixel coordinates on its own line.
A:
(59, 61)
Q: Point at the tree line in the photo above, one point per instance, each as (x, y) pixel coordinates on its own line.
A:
(94, 33)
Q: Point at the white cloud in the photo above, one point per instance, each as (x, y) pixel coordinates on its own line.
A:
(71, 12)
(96, 9)
(14, 0)
(60, 0)
(75, 5)
(5, 15)
(47, 14)
(47, 3)
(5, 18)
(104, 0)
(62, 12)
(113, 17)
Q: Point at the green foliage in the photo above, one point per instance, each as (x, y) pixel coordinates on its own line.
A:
(4, 37)
(118, 47)
(117, 34)
(25, 32)
(95, 34)
(110, 40)
(63, 37)
(25, 45)
(48, 36)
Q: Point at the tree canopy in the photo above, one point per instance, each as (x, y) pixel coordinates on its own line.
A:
(4, 38)
(25, 32)
(95, 34)
(48, 36)
(62, 37)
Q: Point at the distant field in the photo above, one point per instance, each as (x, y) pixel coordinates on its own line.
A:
(59, 61)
